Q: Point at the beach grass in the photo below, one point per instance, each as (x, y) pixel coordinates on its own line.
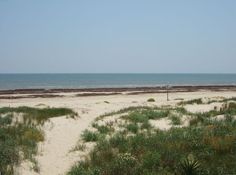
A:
(163, 152)
(194, 101)
(18, 140)
(89, 136)
(144, 114)
(205, 147)
(175, 119)
(38, 114)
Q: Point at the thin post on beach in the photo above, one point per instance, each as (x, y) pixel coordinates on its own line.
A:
(167, 92)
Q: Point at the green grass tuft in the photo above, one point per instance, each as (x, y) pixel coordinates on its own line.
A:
(194, 101)
(175, 120)
(38, 114)
(132, 127)
(89, 136)
(151, 100)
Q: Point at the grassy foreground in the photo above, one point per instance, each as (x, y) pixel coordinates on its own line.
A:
(206, 146)
(18, 139)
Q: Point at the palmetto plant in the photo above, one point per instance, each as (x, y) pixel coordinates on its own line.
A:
(190, 166)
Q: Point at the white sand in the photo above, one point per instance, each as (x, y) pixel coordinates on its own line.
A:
(194, 108)
(62, 134)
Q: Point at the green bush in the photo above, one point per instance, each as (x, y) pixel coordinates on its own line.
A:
(194, 121)
(151, 100)
(175, 119)
(232, 105)
(132, 127)
(123, 164)
(80, 170)
(146, 125)
(89, 136)
(151, 161)
(9, 153)
(103, 129)
(190, 167)
(5, 120)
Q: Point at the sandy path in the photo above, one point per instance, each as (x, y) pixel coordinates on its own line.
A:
(62, 133)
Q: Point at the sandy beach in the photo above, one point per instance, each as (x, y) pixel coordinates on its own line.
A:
(62, 133)
(117, 87)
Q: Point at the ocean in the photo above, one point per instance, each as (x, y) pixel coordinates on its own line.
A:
(49, 81)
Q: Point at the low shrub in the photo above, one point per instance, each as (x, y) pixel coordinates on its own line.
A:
(151, 161)
(151, 100)
(123, 164)
(132, 127)
(141, 116)
(175, 120)
(103, 129)
(89, 136)
(190, 166)
(146, 125)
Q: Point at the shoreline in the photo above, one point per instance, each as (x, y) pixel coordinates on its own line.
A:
(119, 90)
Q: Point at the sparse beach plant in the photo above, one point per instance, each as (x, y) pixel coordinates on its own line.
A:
(132, 127)
(194, 101)
(39, 115)
(146, 125)
(175, 120)
(190, 166)
(89, 136)
(79, 147)
(193, 121)
(151, 161)
(123, 164)
(104, 129)
(143, 115)
(151, 100)
(179, 99)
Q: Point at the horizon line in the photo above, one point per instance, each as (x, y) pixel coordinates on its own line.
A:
(117, 73)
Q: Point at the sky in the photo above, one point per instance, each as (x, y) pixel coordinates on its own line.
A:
(118, 36)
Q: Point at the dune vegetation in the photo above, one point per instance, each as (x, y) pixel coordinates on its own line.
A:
(151, 100)
(20, 131)
(130, 144)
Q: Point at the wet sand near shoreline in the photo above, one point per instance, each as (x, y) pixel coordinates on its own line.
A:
(51, 93)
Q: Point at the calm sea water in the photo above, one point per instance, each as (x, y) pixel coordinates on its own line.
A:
(17, 81)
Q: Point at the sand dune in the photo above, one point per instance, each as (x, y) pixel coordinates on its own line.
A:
(62, 133)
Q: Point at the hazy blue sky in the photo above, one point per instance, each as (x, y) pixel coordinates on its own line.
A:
(157, 36)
